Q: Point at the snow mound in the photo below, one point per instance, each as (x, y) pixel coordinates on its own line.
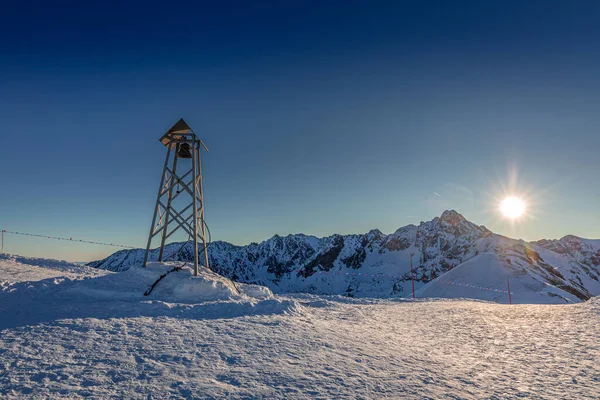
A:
(173, 282)
(181, 286)
(255, 291)
(175, 293)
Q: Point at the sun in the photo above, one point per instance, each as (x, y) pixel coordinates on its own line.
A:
(512, 207)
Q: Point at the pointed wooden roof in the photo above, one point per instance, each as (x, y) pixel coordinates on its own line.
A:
(180, 127)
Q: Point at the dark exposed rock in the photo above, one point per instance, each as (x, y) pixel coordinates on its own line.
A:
(356, 259)
(325, 259)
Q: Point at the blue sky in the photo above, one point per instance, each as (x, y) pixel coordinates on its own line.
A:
(321, 117)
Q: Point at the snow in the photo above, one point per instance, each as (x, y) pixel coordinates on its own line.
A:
(97, 336)
(16, 269)
(377, 265)
(485, 277)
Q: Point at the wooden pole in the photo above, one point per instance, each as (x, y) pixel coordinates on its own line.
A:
(195, 150)
(412, 275)
(509, 295)
(201, 195)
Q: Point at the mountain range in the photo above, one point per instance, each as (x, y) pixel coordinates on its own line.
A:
(451, 257)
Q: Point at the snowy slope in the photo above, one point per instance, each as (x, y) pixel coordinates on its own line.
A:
(577, 258)
(99, 337)
(377, 265)
(482, 275)
(16, 269)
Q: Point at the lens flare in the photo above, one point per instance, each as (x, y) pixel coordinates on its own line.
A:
(512, 207)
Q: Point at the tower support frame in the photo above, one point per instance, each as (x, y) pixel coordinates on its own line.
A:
(181, 143)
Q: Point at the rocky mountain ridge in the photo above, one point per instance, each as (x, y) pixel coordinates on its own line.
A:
(378, 265)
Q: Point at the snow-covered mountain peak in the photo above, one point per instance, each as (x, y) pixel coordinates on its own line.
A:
(452, 217)
(407, 229)
(571, 238)
(374, 232)
(579, 243)
(570, 243)
(451, 226)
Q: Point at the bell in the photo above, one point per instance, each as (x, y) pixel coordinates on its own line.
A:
(184, 151)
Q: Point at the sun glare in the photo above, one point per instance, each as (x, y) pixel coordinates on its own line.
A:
(512, 207)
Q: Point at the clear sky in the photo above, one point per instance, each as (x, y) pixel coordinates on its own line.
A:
(321, 117)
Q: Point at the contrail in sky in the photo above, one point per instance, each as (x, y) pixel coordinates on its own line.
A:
(437, 194)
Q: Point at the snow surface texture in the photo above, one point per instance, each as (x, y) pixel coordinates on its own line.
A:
(17, 269)
(100, 337)
(377, 265)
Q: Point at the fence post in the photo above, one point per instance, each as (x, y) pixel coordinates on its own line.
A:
(509, 295)
(412, 276)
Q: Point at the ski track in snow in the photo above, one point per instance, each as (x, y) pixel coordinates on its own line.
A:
(61, 339)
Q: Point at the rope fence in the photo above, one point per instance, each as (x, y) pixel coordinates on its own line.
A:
(468, 285)
(379, 275)
(63, 239)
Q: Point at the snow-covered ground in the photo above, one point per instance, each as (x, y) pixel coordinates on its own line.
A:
(18, 269)
(83, 335)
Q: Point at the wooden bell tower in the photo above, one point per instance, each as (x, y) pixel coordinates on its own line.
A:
(180, 193)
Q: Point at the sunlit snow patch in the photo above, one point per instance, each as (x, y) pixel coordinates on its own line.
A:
(176, 286)
(183, 287)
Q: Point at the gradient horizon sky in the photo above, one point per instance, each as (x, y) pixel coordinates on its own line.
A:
(320, 117)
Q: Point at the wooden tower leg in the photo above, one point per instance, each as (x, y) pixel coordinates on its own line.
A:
(170, 196)
(156, 207)
(202, 227)
(195, 151)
